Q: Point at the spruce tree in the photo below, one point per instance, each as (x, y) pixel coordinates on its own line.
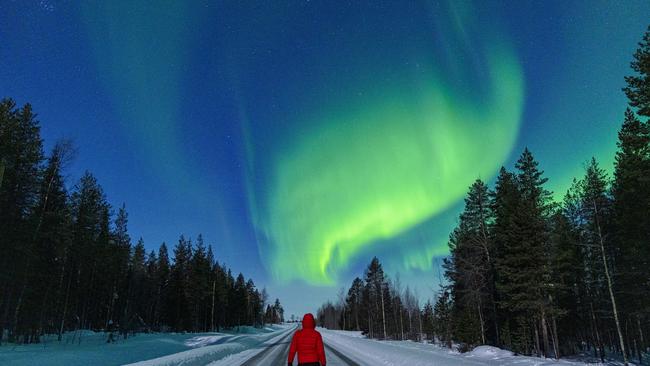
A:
(524, 280)
(163, 313)
(442, 316)
(504, 202)
(596, 207)
(179, 286)
(353, 301)
(21, 153)
(89, 209)
(470, 269)
(638, 86)
(199, 286)
(374, 299)
(631, 217)
(428, 320)
(566, 277)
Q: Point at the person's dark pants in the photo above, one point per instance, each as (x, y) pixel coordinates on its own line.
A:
(309, 364)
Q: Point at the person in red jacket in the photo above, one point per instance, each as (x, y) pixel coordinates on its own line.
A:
(308, 343)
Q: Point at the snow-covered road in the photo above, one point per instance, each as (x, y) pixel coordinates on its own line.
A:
(352, 349)
(272, 352)
(275, 352)
(256, 347)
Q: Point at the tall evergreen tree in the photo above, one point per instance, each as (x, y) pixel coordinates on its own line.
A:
(51, 234)
(596, 207)
(199, 287)
(374, 298)
(179, 286)
(524, 263)
(21, 153)
(631, 180)
(631, 191)
(442, 318)
(470, 269)
(354, 303)
(638, 86)
(505, 204)
(163, 311)
(89, 208)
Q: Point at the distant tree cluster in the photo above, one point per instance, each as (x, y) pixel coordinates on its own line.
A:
(379, 307)
(66, 263)
(533, 275)
(274, 314)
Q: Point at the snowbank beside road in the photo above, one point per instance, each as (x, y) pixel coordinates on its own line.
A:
(368, 352)
(489, 353)
(93, 349)
(235, 348)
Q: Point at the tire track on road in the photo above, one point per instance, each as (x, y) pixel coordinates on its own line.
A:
(341, 356)
(269, 348)
(282, 357)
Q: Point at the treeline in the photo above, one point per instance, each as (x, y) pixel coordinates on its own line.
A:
(379, 307)
(547, 278)
(68, 263)
(531, 274)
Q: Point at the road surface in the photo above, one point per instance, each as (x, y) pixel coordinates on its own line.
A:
(276, 353)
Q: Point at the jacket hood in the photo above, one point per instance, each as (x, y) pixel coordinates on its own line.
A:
(308, 321)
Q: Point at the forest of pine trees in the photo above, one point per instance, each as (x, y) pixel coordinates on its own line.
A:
(379, 307)
(529, 273)
(67, 261)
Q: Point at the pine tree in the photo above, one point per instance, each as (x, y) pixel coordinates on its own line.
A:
(89, 208)
(631, 216)
(442, 316)
(374, 299)
(428, 320)
(278, 312)
(525, 280)
(353, 301)
(179, 286)
(596, 208)
(200, 286)
(470, 269)
(504, 202)
(151, 291)
(51, 235)
(118, 256)
(631, 225)
(566, 277)
(136, 305)
(163, 313)
(21, 153)
(638, 86)
(237, 303)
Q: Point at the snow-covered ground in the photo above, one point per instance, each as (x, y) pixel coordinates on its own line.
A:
(368, 352)
(152, 349)
(250, 346)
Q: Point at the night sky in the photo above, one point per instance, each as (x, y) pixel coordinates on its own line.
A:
(302, 138)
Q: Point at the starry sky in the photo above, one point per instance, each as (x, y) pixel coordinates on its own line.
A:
(301, 138)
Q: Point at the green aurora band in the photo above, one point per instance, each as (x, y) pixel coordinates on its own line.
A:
(373, 171)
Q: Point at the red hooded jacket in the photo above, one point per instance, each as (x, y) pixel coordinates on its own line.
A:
(308, 343)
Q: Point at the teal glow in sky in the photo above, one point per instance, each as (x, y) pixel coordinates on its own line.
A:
(302, 138)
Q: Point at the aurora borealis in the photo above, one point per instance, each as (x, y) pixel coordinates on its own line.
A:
(375, 171)
(302, 138)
